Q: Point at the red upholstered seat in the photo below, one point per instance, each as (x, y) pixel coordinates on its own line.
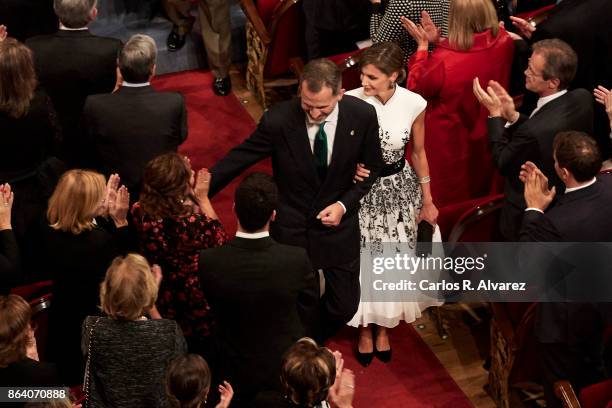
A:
(597, 395)
(33, 290)
(349, 65)
(287, 36)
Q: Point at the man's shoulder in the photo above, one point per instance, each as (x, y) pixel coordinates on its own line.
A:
(356, 105)
(101, 43)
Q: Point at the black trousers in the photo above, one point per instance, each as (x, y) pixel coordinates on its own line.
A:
(340, 301)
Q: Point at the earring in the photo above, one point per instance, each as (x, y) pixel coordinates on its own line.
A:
(391, 84)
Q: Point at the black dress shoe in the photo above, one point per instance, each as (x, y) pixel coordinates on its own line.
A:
(175, 41)
(222, 86)
(364, 358)
(384, 356)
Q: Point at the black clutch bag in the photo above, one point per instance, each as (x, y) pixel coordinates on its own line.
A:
(424, 236)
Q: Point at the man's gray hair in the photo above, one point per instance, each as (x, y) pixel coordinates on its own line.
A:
(137, 58)
(74, 13)
(319, 73)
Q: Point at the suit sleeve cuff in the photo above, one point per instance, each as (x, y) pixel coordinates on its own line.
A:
(534, 209)
(343, 207)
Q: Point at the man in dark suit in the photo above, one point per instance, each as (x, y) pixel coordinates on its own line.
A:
(315, 143)
(516, 138)
(264, 294)
(73, 64)
(334, 26)
(126, 129)
(569, 335)
(591, 37)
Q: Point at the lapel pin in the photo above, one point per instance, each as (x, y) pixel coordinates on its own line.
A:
(352, 133)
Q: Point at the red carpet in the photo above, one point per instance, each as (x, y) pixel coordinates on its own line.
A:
(216, 124)
(414, 378)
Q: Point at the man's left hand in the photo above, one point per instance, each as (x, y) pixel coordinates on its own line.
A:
(331, 215)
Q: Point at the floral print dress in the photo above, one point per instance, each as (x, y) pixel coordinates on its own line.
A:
(175, 245)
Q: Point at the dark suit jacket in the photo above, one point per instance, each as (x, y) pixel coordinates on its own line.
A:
(72, 65)
(264, 296)
(282, 135)
(125, 130)
(580, 216)
(532, 139)
(336, 15)
(10, 270)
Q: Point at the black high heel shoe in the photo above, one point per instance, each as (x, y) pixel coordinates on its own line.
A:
(364, 358)
(384, 356)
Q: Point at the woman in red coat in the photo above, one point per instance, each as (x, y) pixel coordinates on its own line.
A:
(460, 163)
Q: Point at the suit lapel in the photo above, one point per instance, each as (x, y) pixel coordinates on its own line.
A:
(297, 140)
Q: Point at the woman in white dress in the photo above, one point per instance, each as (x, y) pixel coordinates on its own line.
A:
(400, 198)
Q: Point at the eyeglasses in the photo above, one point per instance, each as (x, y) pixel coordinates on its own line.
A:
(531, 72)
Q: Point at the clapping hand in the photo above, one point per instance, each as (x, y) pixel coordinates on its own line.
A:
(537, 193)
(487, 99)
(117, 201)
(417, 32)
(6, 205)
(524, 26)
(227, 393)
(342, 391)
(202, 184)
(3, 33)
(604, 96)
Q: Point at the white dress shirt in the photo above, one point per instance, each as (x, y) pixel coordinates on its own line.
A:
(331, 121)
(132, 85)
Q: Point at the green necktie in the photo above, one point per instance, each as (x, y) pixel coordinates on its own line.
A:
(320, 152)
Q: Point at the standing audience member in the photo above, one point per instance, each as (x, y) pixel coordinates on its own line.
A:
(312, 377)
(19, 365)
(126, 129)
(263, 294)
(10, 268)
(127, 353)
(461, 168)
(334, 26)
(78, 251)
(591, 37)
(516, 138)
(400, 198)
(30, 135)
(386, 23)
(174, 221)
(569, 335)
(188, 383)
(215, 24)
(313, 142)
(73, 64)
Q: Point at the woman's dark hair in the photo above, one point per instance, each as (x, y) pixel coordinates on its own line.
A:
(15, 314)
(307, 373)
(187, 381)
(166, 186)
(387, 57)
(17, 78)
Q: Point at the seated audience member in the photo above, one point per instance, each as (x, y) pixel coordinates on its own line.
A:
(127, 353)
(188, 382)
(28, 18)
(174, 220)
(456, 126)
(386, 24)
(10, 271)
(126, 129)
(29, 137)
(79, 248)
(72, 64)
(569, 335)
(334, 26)
(591, 37)
(311, 376)
(516, 138)
(19, 365)
(263, 293)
